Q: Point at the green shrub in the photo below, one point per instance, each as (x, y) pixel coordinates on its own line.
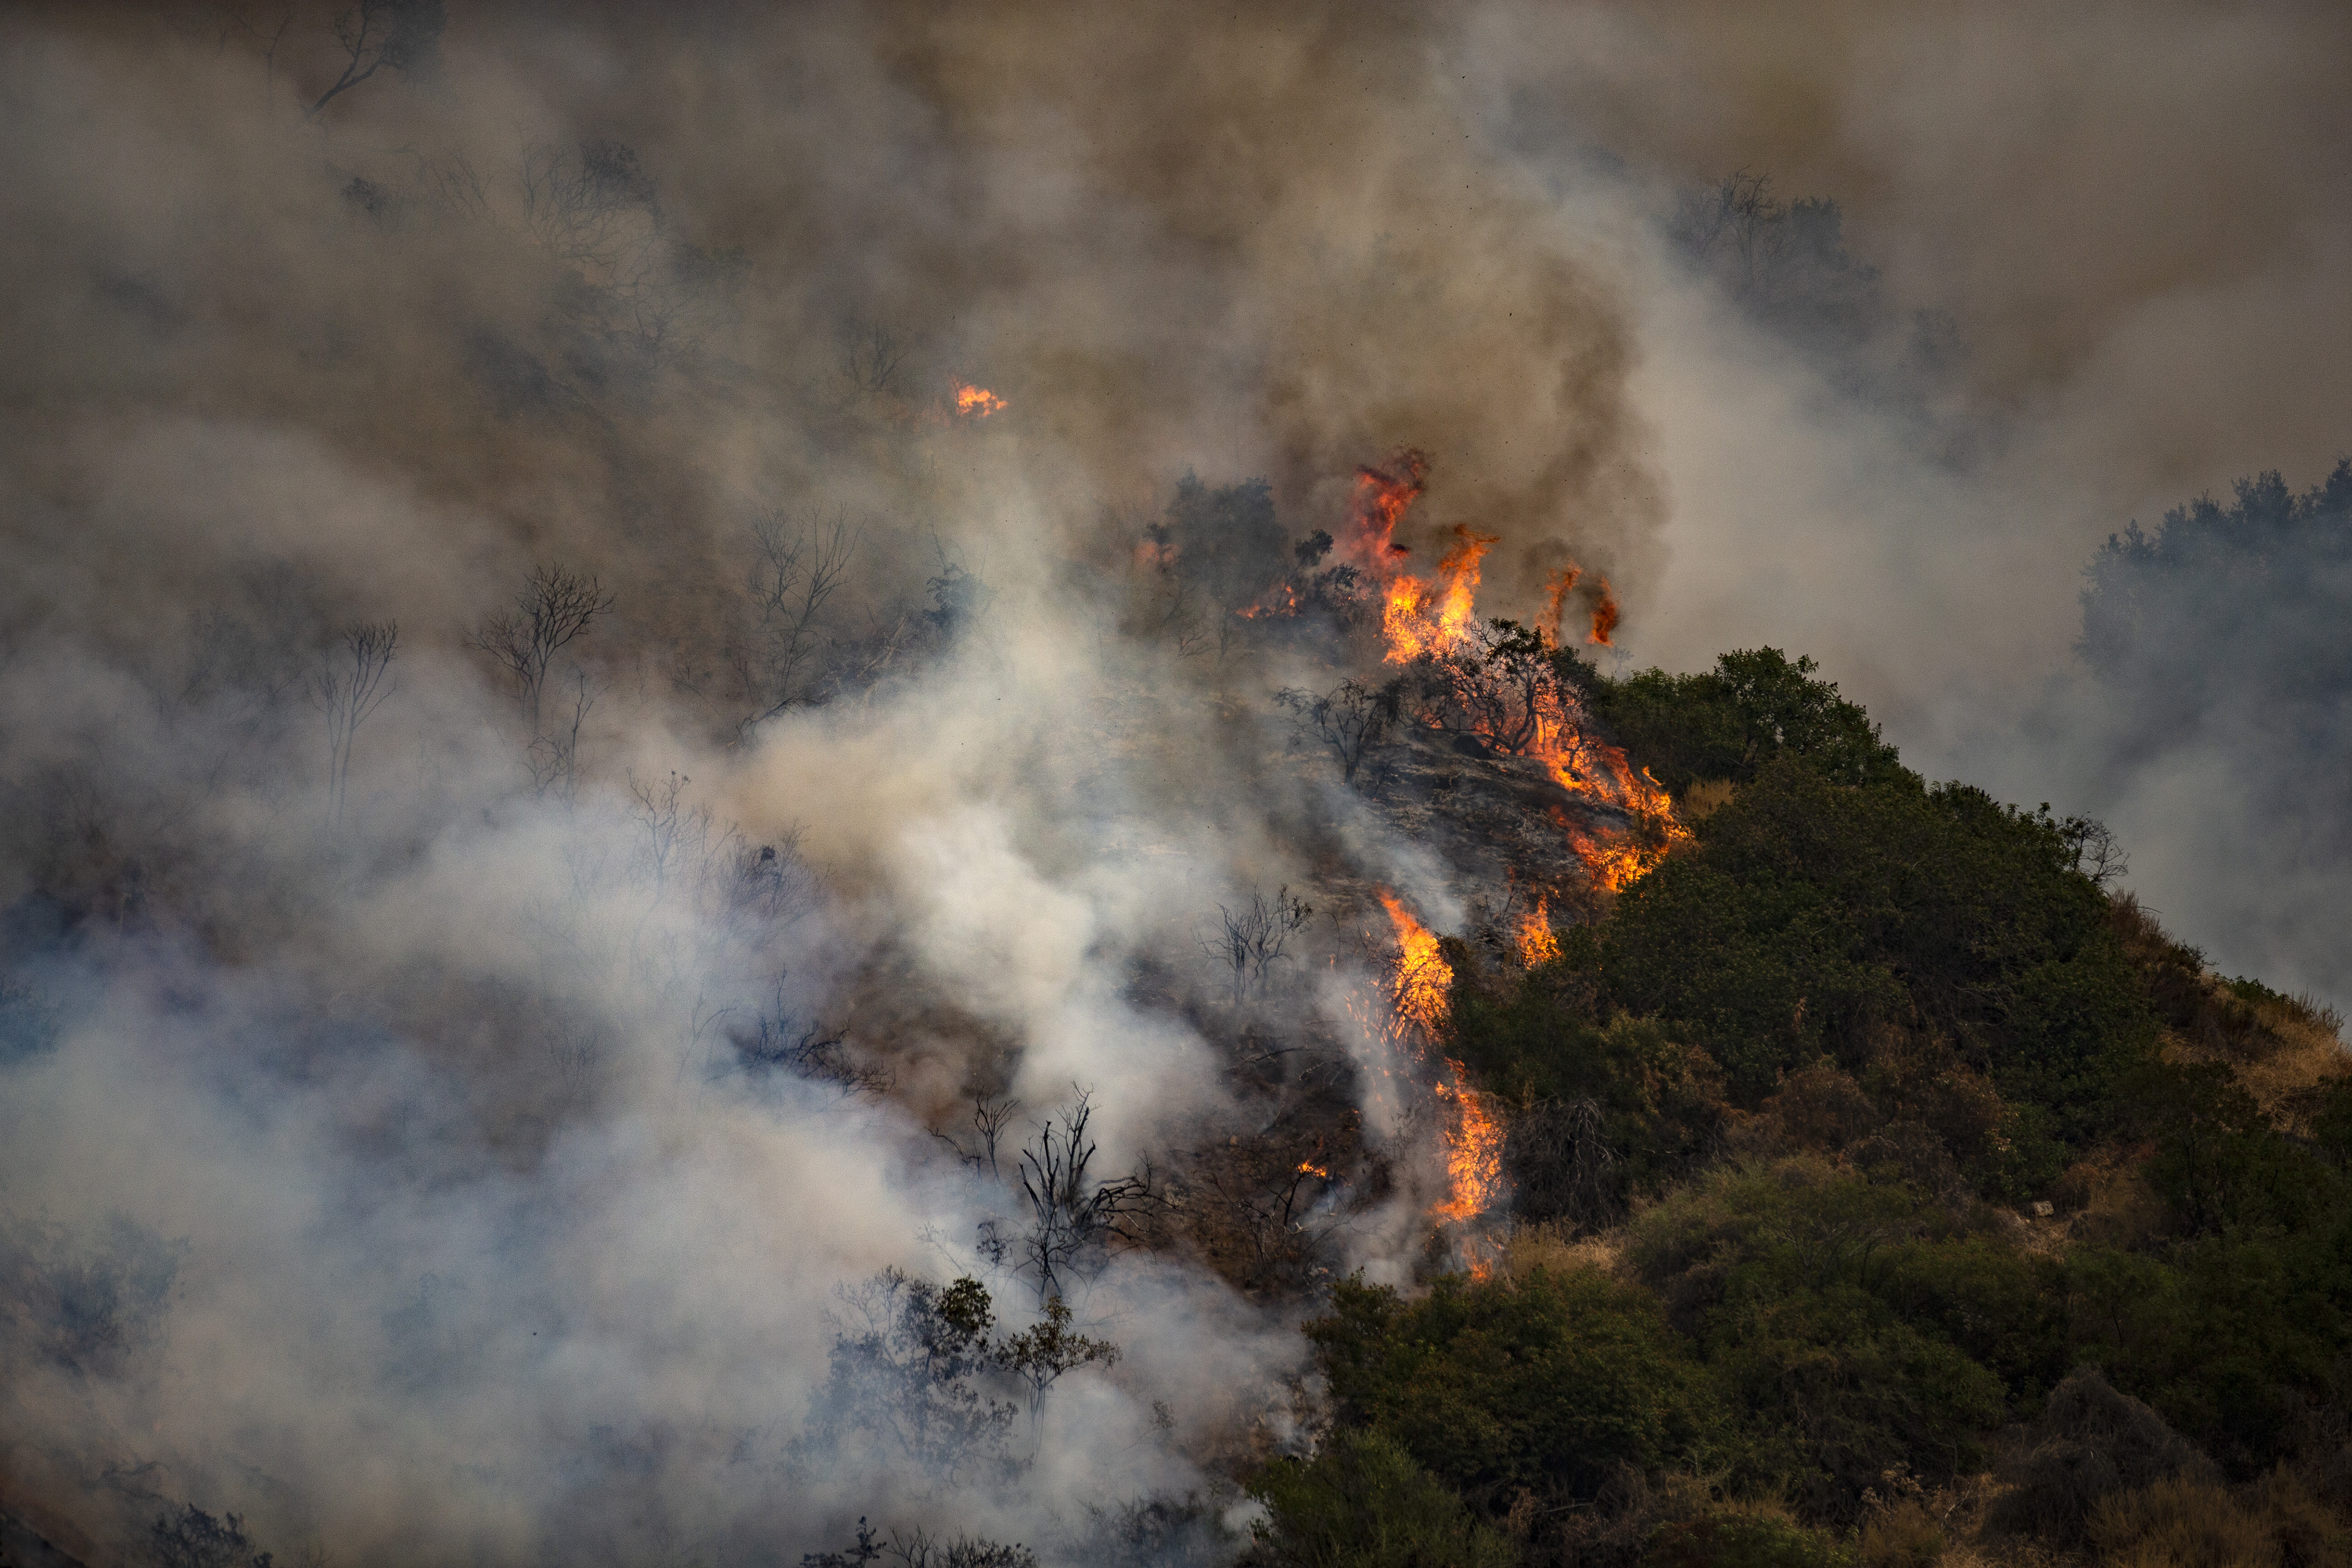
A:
(1834, 1310)
(1754, 706)
(1363, 1503)
(1744, 1538)
(2091, 1444)
(1846, 1391)
(1901, 1536)
(1813, 918)
(1659, 1103)
(1548, 1383)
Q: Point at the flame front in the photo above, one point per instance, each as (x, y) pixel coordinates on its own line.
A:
(1474, 1153)
(1436, 615)
(976, 402)
(1604, 615)
(1423, 977)
(1537, 945)
(1423, 615)
(1474, 1139)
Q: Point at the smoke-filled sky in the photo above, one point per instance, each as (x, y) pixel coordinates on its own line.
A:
(377, 1159)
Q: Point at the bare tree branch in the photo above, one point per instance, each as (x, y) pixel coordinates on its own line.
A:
(403, 34)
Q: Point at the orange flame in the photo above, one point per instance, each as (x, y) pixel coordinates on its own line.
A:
(1557, 588)
(1282, 599)
(1435, 616)
(1617, 864)
(1423, 977)
(1382, 497)
(1473, 1151)
(976, 402)
(1310, 1168)
(1536, 942)
(1604, 616)
(1474, 1143)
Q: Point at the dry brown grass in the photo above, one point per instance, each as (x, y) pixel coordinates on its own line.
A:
(2182, 1522)
(2278, 1048)
(1704, 799)
(1555, 1249)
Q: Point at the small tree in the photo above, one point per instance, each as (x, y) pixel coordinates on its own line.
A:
(2098, 853)
(555, 609)
(1253, 938)
(799, 567)
(1039, 1355)
(1504, 686)
(347, 685)
(1072, 1218)
(905, 1369)
(194, 1539)
(1353, 719)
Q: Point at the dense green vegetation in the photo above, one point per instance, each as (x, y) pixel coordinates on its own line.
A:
(1803, 1081)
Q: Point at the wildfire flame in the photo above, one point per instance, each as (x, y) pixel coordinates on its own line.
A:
(1434, 615)
(1604, 616)
(1474, 1143)
(976, 402)
(1382, 497)
(1282, 599)
(1437, 614)
(1423, 977)
(1537, 943)
(1474, 1153)
(1557, 588)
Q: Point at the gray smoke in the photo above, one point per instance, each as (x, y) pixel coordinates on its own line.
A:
(459, 1108)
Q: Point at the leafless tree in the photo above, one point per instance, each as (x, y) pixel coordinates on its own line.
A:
(556, 608)
(554, 753)
(1353, 719)
(870, 356)
(798, 568)
(1253, 938)
(1559, 1158)
(1739, 218)
(1073, 1218)
(456, 185)
(1504, 686)
(404, 34)
(350, 683)
(990, 1116)
(594, 207)
(770, 884)
(663, 819)
(1262, 1208)
(808, 1050)
(266, 36)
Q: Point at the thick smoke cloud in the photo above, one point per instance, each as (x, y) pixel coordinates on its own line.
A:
(469, 1161)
